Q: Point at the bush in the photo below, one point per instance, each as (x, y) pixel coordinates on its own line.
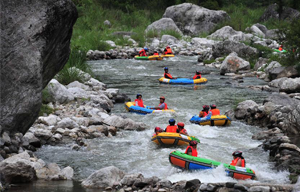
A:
(68, 74)
(208, 61)
(152, 34)
(172, 33)
(45, 109)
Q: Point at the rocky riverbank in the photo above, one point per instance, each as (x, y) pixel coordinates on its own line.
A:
(113, 179)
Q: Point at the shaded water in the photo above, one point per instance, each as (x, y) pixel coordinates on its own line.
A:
(133, 152)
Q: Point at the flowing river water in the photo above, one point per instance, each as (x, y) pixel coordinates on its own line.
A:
(133, 152)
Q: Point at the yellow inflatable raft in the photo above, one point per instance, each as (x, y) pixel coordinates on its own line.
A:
(216, 120)
(172, 139)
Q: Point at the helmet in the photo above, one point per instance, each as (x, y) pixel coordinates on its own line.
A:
(166, 68)
(180, 124)
(193, 143)
(157, 129)
(213, 106)
(162, 97)
(137, 95)
(237, 154)
(168, 46)
(172, 121)
(205, 107)
(145, 48)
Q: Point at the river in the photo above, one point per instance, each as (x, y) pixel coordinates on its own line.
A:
(133, 151)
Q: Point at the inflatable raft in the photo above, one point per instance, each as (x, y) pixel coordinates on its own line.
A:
(172, 139)
(184, 161)
(130, 106)
(182, 81)
(169, 55)
(277, 50)
(216, 120)
(153, 57)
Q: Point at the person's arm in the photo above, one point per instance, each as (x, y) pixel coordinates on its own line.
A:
(162, 106)
(239, 163)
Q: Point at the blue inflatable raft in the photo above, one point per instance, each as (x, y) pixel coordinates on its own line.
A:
(130, 106)
(182, 81)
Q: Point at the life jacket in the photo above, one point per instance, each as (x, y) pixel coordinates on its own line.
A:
(142, 52)
(183, 131)
(204, 113)
(155, 54)
(168, 51)
(197, 76)
(168, 76)
(234, 162)
(194, 151)
(172, 128)
(280, 49)
(166, 106)
(215, 112)
(139, 103)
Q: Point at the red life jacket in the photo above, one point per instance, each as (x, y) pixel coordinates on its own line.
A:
(194, 151)
(215, 112)
(166, 106)
(168, 76)
(234, 162)
(204, 113)
(197, 76)
(280, 49)
(155, 54)
(139, 102)
(172, 128)
(142, 52)
(183, 131)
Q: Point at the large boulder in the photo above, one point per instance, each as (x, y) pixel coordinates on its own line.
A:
(202, 42)
(233, 63)
(272, 13)
(290, 85)
(162, 25)
(243, 109)
(58, 92)
(35, 44)
(228, 33)
(18, 169)
(280, 72)
(193, 19)
(226, 47)
(105, 177)
(272, 68)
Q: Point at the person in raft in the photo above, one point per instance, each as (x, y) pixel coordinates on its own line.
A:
(197, 75)
(157, 130)
(138, 101)
(167, 75)
(238, 159)
(204, 111)
(192, 149)
(155, 53)
(280, 48)
(168, 50)
(181, 128)
(172, 128)
(214, 110)
(162, 105)
(143, 52)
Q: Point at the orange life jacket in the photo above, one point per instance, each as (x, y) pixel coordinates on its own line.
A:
(142, 52)
(194, 151)
(280, 49)
(204, 113)
(234, 162)
(172, 128)
(169, 51)
(168, 76)
(139, 102)
(166, 106)
(183, 131)
(215, 112)
(155, 54)
(197, 76)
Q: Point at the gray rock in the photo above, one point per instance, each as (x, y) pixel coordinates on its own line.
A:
(111, 43)
(49, 120)
(35, 50)
(261, 27)
(277, 82)
(31, 139)
(67, 123)
(272, 13)
(226, 47)
(290, 85)
(228, 33)
(155, 43)
(256, 31)
(243, 108)
(164, 184)
(58, 92)
(79, 85)
(43, 134)
(202, 42)
(279, 72)
(6, 139)
(162, 25)
(240, 187)
(193, 19)
(233, 63)
(272, 34)
(121, 123)
(259, 189)
(168, 39)
(97, 85)
(261, 62)
(107, 23)
(272, 66)
(67, 173)
(129, 179)
(105, 177)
